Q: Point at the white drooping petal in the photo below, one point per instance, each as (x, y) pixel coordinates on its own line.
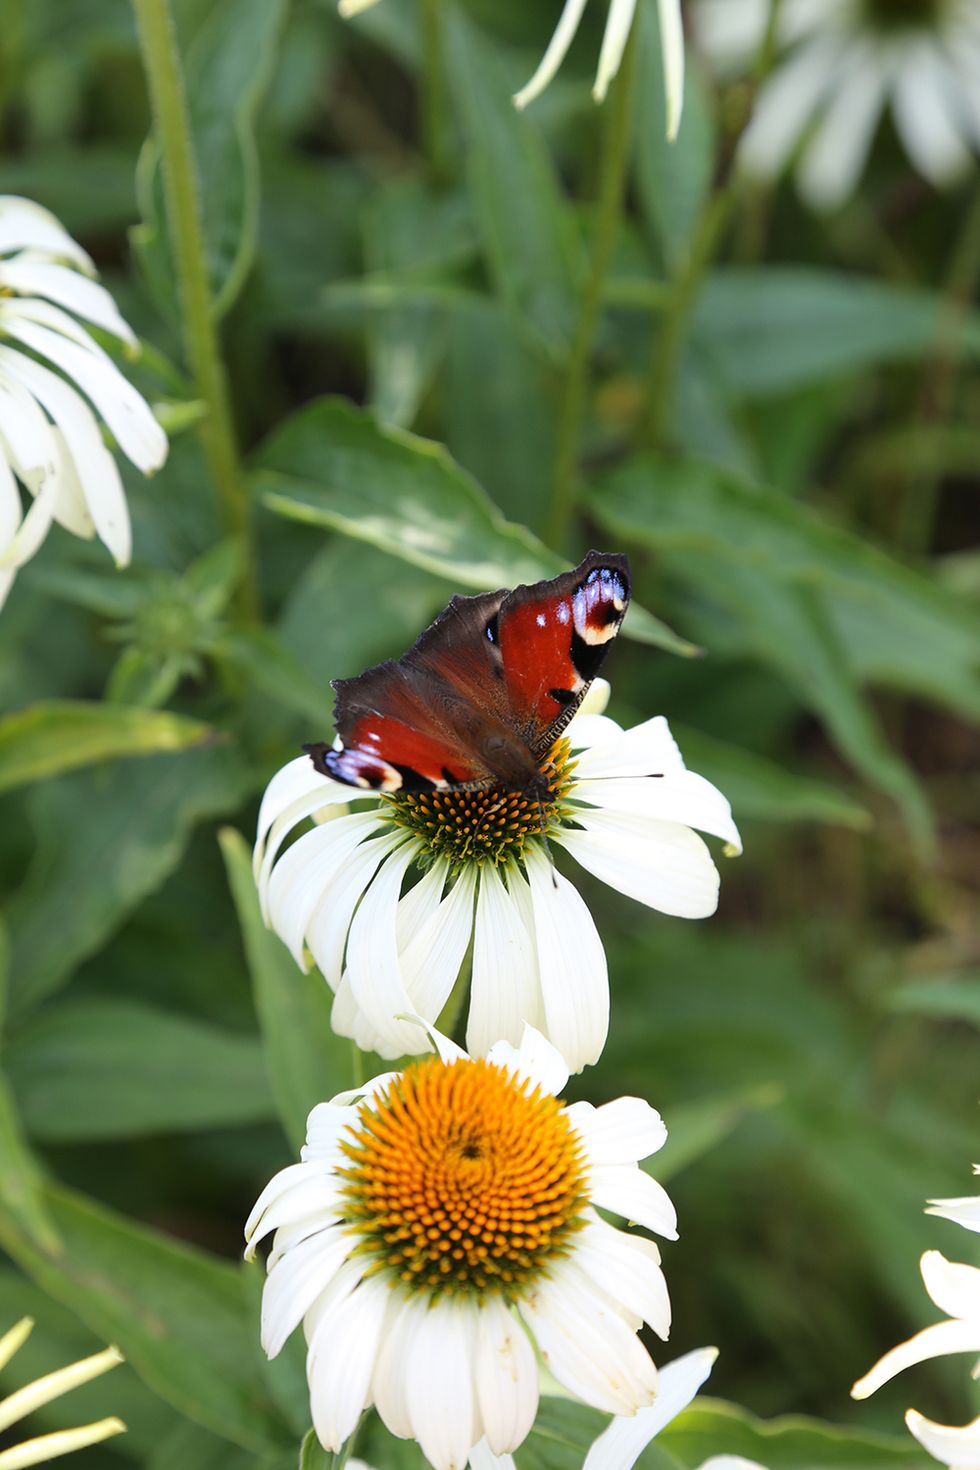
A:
(835, 157)
(964, 1211)
(389, 1388)
(621, 1445)
(564, 34)
(482, 1457)
(281, 1185)
(661, 864)
(328, 929)
(341, 1361)
(29, 436)
(297, 1280)
(31, 275)
(618, 1132)
(682, 797)
(25, 225)
(571, 964)
(306, 872)
(614, 41)
(373, 968)
(932, 1342)
(431, 960)
(439, 1386)
(647, 749)
(627, 1191)
(308, 805)
(506, 1376)
(785, 105)
(589, 1346)
(292, 784)
(536, 1060)
(672, 46)
(957, 1447)
(505, 990)
(627, 1268)
(924, 104)
(953, 1287)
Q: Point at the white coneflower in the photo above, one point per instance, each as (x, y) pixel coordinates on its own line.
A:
(624, 807)
(56, 382)
(441, 1235)
(43, 1391)
(843, 63)
(618, 26)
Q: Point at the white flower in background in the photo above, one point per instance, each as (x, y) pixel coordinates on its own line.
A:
(951, 1446)
(441, 1234)
(964, 1211)
(43, 1391)
(56, 382)
(842, 64)
(624, 808)
(615, 36)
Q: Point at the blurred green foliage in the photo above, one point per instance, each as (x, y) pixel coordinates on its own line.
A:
(397, 346)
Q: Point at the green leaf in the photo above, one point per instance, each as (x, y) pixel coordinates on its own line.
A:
(188, 1447)
(103, 1068)
(22, 1183)
(307, 1062)
(268, 666)
(61, 735)
(177, 1314)
(107, 838)
(227, 70)
(771, 330)
(527, 228)
(940, 997)
(333, 466)
(760, 788)
(711, 1427)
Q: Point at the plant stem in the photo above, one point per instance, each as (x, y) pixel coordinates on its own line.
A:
(435, 137)
(613, 165)
(161, 62)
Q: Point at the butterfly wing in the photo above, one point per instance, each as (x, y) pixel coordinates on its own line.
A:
(484, 691)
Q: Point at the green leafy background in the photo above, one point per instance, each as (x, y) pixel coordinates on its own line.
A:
(803, 538)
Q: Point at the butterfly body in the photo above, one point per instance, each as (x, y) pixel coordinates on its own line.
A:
(485, 691)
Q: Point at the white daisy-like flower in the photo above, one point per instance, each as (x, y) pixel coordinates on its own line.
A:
(615, 36)
(624, 807)
(44, 1391)
(442, 1233)
(844, 63)
(955, 1290)
(56, 382)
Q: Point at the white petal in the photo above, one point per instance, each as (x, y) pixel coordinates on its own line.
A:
(70, 507)
(835, 157)
(505, 990)
(643, 750)
(28, 433)
(571, 963)
(784, 106)
(291, 784)
(535, 1059)
(588, 729)
(661, 864)
(281, 1184)
(730, 1462)
(307, 805)
(306, 872)
(127, 414)
(965, 1211)
(317, 1198)
(439, 1384)
(483, 1458)
(614, 41)
(926, 118)
(931, 1342)
(33, 276)
(627, 1268)
(621, 1445)
(618, 1132)
(684, 797)
(372, 959)
(594, 700)
(94, 464)
(431, 961)
(672, 46)
(553, 57)
(954, 1288)
(587, 1343)
(389, 1387)
(25, 225)
(297, 1280)
(341, 1362)
(416, 907)
(506, 1376)
(625, 1190)
(959, 1448)
(328, 929)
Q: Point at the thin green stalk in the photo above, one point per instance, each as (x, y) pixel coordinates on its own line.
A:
(613, 165)
(433, 102)
(161, 61)
(939, 383)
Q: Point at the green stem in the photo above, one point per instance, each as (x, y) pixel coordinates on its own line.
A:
(435, 136)
(161, 61)
(939, 383)
(613, 166)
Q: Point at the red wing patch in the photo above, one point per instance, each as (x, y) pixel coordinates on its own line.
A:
(383, 754)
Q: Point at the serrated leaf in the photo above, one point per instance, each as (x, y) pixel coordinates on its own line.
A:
(307, 1062)
(177, 1314)
(332, 465)
(61, 735)
(106, 1068)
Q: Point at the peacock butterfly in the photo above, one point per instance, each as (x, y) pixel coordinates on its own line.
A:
(481, 697)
